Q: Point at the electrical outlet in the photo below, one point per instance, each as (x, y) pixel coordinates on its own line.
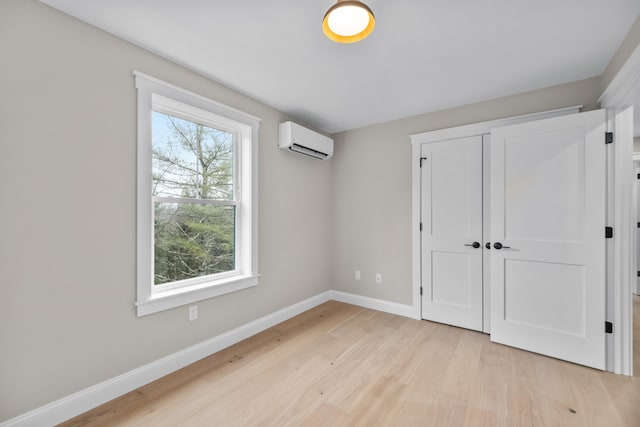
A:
(378, 278)
(193, 312)
(357, 274)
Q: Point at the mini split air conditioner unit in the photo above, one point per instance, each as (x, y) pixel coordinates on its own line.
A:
(298, 139)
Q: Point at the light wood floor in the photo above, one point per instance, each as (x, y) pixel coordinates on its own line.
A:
(338, 364)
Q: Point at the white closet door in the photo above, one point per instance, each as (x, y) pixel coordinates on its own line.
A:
(548, 212)
(451, 211)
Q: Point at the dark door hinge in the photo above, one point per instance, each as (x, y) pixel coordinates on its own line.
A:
(420, 226)
(608, 327)
(420, 290)
(638, 176)
(639, 225)
(421, 159)
(608, 232)
(608, 137)
(638, 273)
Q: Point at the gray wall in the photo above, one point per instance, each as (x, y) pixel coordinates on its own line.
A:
(628, 45)
(67, 185)
(372, 187)
(636, 144)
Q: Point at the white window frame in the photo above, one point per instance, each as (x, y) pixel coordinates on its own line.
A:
(156, 95)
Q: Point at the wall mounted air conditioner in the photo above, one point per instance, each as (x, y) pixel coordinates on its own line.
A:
(298, 139)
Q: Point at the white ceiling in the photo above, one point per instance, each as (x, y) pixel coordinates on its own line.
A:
(424, 55)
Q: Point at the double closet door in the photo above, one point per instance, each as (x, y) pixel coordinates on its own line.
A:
(512, 239)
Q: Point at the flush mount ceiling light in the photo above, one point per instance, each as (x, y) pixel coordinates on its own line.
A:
(348, 21)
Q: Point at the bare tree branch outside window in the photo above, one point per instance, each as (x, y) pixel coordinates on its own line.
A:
(193, 161)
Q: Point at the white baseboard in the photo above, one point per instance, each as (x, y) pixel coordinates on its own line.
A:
(376, 304)
(89, 398)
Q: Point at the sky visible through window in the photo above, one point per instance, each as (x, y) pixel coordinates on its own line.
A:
(190, 159)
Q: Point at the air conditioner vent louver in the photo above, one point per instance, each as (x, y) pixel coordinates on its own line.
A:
(298, 139)
(308, 151)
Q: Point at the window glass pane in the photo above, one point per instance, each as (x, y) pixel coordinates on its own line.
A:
(192, 240)
(191, 160)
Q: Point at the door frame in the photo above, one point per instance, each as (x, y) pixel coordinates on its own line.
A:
(636, 214)
(622, 92)
(475, 129)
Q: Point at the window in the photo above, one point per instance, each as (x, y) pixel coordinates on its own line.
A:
(197, 197)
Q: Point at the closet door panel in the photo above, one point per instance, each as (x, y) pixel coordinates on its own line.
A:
(547, 212)
(545, 178)
(451, 212)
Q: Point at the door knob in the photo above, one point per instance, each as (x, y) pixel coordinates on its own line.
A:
(487, 245)
(499, 245)
(474, 245)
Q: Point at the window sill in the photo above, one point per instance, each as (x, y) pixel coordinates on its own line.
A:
(160, 301)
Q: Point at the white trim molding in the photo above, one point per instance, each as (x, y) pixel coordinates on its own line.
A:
(625, 86)
(376, 304)
(94, 396)
(622, 92)
(482, 128)
(622, 259)
(626, 222)
(89, 398)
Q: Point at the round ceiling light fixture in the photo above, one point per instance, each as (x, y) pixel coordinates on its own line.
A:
(348, 21)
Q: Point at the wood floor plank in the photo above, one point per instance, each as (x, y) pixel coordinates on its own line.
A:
(353, 373)
(524, 400)
(402, 365)
(449, 411)
(437, 350)
(561, 402)
(412, 414)
(379, 402)
(594, 405)
(624, 392)
(324, 416)
(463, 366)
(341, 365)
(488, 390)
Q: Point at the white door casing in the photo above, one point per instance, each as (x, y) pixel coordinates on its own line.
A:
(636, 214)
(451, 217)
(619, 295)
(548, 211)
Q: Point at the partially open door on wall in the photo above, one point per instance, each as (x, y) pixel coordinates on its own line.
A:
(548, 236)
